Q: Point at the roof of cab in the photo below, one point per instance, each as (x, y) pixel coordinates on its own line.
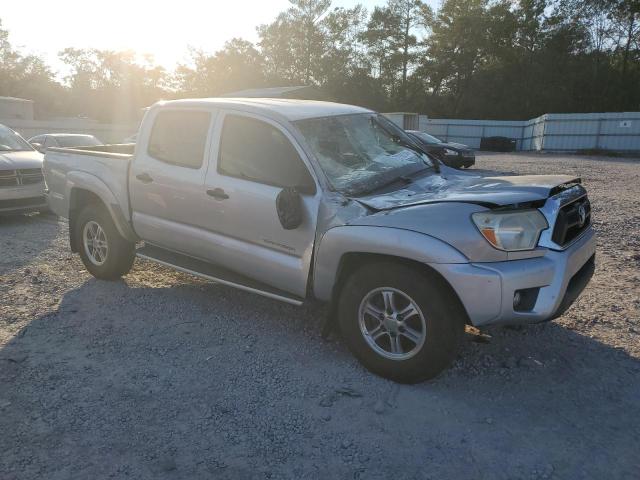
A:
(291, 109)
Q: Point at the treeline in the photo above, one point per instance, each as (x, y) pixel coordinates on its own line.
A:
(499, 59)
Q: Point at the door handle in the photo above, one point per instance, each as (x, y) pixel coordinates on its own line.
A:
(218, 194)
(144, 177)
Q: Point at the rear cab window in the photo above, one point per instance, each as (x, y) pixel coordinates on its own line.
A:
(179, 137)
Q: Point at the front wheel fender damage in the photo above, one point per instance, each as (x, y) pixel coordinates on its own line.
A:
(392, 242)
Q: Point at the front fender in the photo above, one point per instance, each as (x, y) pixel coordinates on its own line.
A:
(339, 241)
(91, 183)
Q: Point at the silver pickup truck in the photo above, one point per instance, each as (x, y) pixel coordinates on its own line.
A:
(302, 201)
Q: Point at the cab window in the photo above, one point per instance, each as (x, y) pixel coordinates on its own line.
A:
(180, 137)
(255, 150)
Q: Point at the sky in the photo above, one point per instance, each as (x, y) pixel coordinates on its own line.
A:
(161, 28)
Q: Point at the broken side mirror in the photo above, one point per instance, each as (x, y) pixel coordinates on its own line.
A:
(289, 208)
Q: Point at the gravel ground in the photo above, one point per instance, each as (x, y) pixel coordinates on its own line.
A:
(163, 376)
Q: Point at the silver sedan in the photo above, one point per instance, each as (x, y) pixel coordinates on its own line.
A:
(21, 179)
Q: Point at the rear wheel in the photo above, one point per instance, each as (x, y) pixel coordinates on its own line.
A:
(400, 322)
(105, 253)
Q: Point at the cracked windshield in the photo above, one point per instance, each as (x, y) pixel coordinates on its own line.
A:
(361, 152)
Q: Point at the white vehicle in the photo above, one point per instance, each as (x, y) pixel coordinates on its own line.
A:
(64, 140)
(21, 179)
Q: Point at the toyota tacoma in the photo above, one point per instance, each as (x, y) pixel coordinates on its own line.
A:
(314, 201)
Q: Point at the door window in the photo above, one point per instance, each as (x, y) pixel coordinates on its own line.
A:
(254, 150)
(180, 137)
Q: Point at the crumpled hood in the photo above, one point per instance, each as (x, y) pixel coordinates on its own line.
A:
(18, 160)
(471, 188)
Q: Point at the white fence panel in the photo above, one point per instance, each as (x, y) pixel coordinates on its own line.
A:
(561, 132)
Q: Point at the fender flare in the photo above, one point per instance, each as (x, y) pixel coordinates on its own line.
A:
(396, 242)
(91, 183)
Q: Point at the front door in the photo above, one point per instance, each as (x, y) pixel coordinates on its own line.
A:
(255, 159)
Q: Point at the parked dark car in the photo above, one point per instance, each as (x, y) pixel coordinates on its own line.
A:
(454, 155)
(498, 144)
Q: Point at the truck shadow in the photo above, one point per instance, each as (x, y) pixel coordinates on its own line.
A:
(17, 236)
(199, 379)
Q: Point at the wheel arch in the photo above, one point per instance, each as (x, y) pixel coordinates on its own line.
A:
(79, 197)
(352, 261)
(342, 250)
(85, 189)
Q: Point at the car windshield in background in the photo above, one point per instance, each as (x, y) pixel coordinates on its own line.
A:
(10, 141)
(425, 137)
(362, 152)
(78, 141)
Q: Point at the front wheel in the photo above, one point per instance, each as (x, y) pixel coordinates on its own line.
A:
(105, 253)
(399, 321)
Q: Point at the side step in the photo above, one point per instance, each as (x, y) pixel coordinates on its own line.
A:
(215, 273)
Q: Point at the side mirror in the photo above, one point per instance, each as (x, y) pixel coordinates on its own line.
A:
(289, 208)
(38, 146)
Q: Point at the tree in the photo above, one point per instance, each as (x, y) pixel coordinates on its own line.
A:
(625, 17)
(294, 43)
(471, 59)
(391, 37)
(238, 65)
(455, 49)
(112, 86)
(27, 76)
(343, 66)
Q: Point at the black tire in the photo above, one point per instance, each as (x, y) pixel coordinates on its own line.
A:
(120, 252)
(443, 318)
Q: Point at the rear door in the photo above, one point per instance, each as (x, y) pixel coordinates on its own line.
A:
(168, 198)
(254, 158)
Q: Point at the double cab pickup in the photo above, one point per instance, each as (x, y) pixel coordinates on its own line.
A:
(315, 201)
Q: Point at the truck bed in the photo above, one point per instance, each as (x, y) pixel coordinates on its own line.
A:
(105, 165)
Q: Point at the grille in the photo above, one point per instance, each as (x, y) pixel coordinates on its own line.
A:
(8, 178)
(25, 176)
(29, 176)
(572, 220)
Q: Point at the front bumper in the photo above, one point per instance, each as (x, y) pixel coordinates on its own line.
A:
(487, 289)
(22, 199)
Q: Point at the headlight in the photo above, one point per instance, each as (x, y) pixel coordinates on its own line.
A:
(449, 152)
(511, 231)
